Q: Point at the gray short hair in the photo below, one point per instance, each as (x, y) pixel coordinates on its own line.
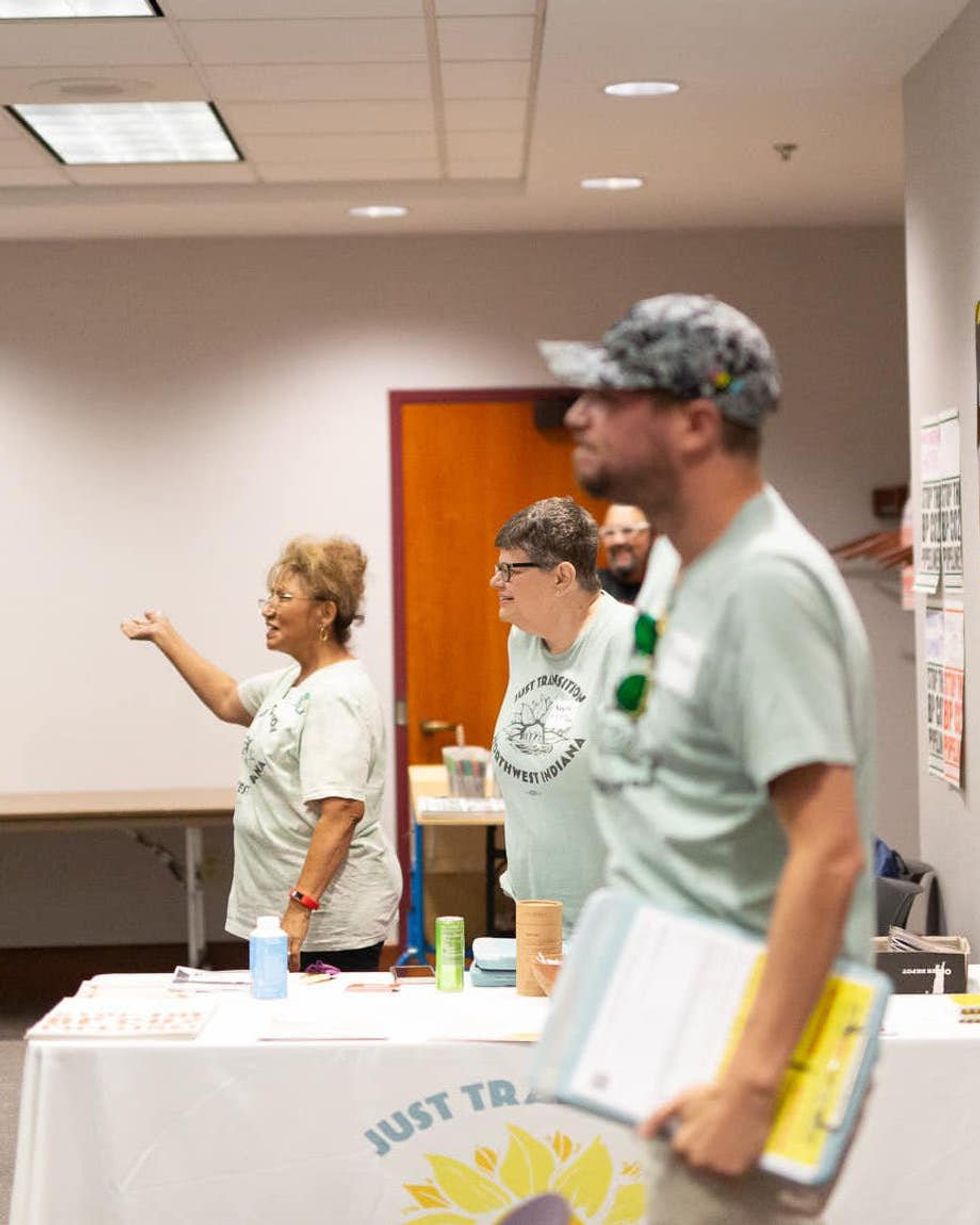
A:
(552, 531)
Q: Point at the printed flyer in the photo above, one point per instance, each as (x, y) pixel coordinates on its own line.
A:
(945, 668)
(940, 528)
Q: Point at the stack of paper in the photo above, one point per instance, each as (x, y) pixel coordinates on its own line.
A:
(134, 1017)
(902, 941)
(449, 805)
(211, 980)
(968, 1007)
(649, 1004)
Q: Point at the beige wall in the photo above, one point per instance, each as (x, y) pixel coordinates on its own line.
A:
(942, 97)
(170, 411)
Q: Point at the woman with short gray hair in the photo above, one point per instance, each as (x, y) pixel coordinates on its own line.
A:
(562, 627)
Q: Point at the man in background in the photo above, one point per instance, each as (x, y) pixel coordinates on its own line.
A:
(732, 773)
(626, 538)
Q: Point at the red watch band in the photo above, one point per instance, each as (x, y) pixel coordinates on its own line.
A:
(304, 899)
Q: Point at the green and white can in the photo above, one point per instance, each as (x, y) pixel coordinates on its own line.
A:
(450, 952)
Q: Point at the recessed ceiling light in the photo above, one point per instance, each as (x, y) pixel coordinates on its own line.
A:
(28, 10)
(378, 210)
(615, 183)
(641, 89)
(126, 133)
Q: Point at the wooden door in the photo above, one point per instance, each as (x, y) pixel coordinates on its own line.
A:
(466, 467)
(463, 464)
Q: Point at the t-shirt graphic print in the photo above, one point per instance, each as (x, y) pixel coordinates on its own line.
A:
(541, 755)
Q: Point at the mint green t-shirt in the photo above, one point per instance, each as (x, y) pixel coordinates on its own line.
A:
(541, 748)
(763, 666)
(308, 742)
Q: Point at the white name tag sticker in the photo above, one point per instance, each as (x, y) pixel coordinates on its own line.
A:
(679, 662)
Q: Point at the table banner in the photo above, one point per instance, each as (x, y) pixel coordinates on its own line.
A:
(473, 1151)
(379, 1133)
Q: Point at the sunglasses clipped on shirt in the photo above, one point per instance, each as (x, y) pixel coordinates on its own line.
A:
(633, 690)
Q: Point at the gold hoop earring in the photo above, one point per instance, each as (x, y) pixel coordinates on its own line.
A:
(324, 632)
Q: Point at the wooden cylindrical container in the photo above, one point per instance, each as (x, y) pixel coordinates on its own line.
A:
(538, 931)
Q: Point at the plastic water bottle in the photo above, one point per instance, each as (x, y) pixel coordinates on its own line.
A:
(268, 960)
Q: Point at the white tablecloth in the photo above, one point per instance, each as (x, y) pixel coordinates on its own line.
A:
(226, 1129)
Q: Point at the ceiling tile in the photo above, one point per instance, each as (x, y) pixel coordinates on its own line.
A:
(32, 176)
(424, 169)
(285, 83)
(485, 38)
(850, 170)
(22, 150)
(141, 82)
(288, 10)
(251, 118)
(485, 144)
(307, 42)
(133, 176)
(504, 79)
(484, 8)
(86, 42)
(486, 115)
(485, 168)
(340, 147)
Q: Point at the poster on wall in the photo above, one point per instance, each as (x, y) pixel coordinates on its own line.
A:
(953, 677)
(941, 527)
(934, 691)
(944, 689)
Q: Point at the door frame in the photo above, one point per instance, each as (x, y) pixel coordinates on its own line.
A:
(396, 403)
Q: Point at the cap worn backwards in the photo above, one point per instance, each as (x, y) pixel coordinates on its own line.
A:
(684, 345)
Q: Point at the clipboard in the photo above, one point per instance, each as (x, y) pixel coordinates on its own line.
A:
(649, 1003)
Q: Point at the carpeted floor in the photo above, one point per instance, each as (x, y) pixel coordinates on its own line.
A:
(11, 1067)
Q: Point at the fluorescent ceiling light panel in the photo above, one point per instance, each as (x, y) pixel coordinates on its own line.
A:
(28, 10)
(127, 133)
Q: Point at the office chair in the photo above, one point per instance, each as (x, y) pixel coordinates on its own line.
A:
(926, 917)
(894, 900)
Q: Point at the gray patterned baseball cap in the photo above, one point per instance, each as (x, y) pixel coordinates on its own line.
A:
(685, 345)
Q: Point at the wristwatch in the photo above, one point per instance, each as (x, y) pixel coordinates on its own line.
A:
(304, 899)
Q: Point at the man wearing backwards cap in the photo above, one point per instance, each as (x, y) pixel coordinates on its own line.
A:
(732, 774)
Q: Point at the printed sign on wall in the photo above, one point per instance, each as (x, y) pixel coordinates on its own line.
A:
(945, 659)
(941, 528)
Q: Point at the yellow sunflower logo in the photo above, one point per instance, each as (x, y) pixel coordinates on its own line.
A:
(485, 1191)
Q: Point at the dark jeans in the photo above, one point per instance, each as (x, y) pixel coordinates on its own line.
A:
(345, 959)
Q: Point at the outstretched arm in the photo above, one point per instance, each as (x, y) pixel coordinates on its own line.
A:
(723, 1127)
(216, 689)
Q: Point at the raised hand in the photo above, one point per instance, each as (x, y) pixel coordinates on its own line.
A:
(149, 628)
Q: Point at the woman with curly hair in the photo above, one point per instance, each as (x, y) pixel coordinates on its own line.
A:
(309, 844)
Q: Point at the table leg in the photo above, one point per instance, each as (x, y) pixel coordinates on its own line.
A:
(415, 947)
(194, 891)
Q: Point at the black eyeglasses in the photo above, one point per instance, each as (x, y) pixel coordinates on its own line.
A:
(506, 568)
(633, 690)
